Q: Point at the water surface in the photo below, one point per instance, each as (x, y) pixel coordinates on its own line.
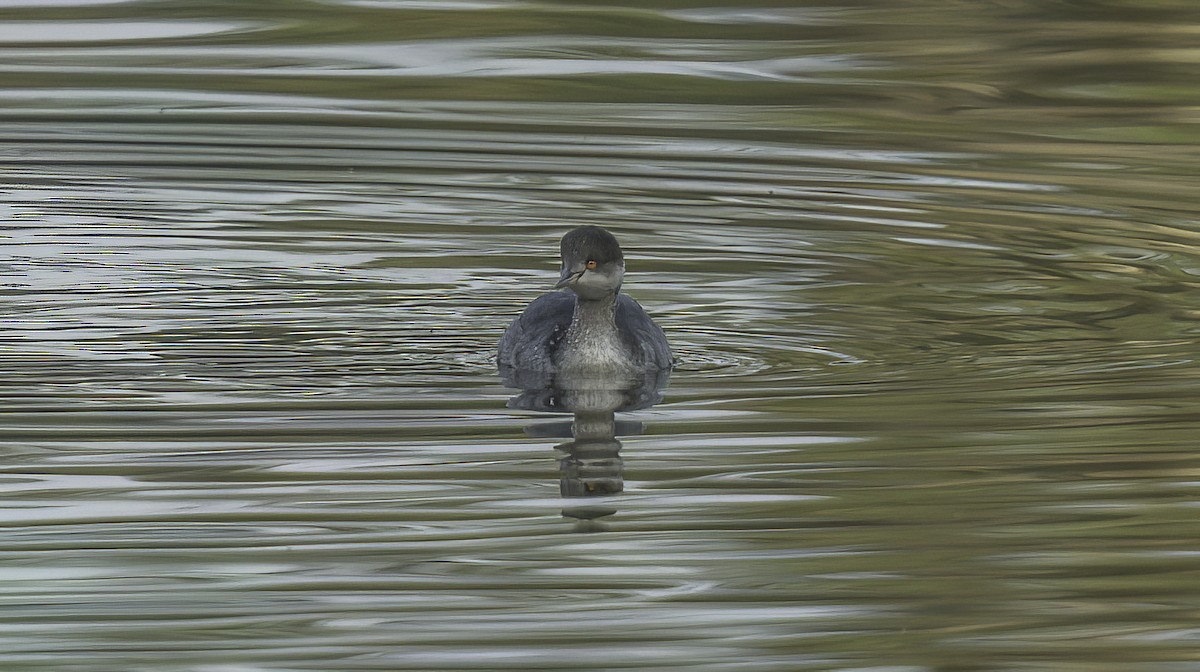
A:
(931, 274)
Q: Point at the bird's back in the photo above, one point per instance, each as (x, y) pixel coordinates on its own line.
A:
(643, 337)
(531, 339)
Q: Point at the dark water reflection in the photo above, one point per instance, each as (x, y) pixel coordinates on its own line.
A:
(591, 464)
(931, 271)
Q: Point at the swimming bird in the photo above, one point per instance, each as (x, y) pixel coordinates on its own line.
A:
(588, 326)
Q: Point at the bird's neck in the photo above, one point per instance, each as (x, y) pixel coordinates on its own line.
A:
(592, 339)
(600, 312)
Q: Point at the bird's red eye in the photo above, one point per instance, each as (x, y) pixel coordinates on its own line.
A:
(591, 264)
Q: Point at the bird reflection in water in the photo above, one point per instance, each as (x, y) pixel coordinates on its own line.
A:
(590, 465)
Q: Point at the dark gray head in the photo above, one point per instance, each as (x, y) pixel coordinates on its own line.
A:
(592, 263)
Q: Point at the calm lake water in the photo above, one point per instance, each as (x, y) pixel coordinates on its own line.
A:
(931, 271)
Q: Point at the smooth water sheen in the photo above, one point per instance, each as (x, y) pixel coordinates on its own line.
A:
(932, 272)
